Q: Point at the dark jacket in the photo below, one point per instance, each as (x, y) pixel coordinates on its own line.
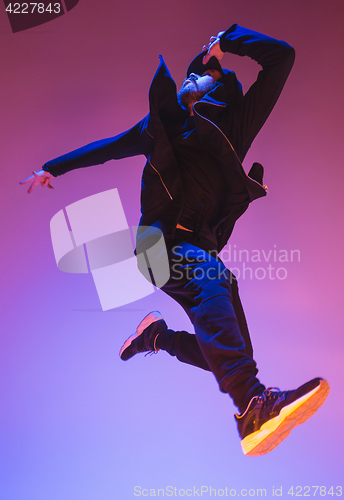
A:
(226, 129)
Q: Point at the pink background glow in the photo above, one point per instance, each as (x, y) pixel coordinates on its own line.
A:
(78, 423)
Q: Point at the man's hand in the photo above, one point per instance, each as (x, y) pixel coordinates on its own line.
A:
(41, 177)
(213, 49)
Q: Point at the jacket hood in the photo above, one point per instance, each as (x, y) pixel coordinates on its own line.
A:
(226, 92)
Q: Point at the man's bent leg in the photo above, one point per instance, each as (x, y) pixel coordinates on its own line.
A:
(152, 335)
(184, 346)
(201, 284)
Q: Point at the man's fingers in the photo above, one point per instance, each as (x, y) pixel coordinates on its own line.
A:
(209, 54)
(213, 50)
(205, 59)
(27, 180)
(41, 177)
(46, 183)
(33, 185)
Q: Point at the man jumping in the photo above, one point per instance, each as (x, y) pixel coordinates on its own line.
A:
(194, 189)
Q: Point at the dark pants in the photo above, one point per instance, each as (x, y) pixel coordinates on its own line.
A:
(208, 292)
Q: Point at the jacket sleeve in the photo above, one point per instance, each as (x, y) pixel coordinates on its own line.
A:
(135, 141)
(276, 58)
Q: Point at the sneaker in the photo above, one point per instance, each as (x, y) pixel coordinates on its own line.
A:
(144, 339)
(269, 418)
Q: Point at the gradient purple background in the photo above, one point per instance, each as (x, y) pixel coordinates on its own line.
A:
(78, 423)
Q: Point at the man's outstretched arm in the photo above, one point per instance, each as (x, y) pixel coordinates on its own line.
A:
(135, 141)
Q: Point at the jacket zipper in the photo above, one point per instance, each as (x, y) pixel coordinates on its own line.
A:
(169, 194)
(204, 118)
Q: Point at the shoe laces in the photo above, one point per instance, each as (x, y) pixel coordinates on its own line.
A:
(155, 349)
(149, 353)
(272, 392)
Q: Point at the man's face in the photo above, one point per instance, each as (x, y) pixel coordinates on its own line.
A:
(196, 86)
